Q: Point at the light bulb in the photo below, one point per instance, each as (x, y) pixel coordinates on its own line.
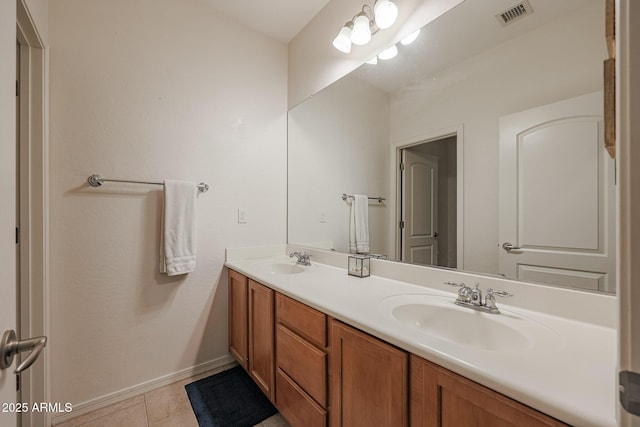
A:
(388, 53)
(386, 13)
(373, 61)
(410, 38)
(361, 33)
(342, 42)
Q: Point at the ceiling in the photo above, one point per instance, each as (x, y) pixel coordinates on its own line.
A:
(279, 19)
(469, 27)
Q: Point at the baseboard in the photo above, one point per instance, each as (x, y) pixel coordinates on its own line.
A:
(129, 392)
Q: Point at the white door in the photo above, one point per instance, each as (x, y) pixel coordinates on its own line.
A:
(419, 208)
(557, 196)
(7, 196)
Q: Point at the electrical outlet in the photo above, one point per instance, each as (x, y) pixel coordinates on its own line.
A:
(242, 216)
(323, 217)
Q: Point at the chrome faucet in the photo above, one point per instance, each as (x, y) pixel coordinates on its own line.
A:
(303, 258)
(472, 298)
(476, 295)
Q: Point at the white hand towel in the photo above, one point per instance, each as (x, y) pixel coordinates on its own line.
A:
(359, 225)
(178, 234)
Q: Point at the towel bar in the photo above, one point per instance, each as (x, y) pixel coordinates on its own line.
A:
(380, 199)
(97, 181)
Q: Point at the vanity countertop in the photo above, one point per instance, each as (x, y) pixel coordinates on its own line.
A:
(573, 379)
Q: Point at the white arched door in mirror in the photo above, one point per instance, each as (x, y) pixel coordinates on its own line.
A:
(419, 226)
(557, 196)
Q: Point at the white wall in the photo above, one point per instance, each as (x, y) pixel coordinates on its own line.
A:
(567, 62)
(338, 143)
(154, 89)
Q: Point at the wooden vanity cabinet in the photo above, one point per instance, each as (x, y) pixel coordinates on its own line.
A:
(319, 371)
(368, 380)
(301, 363)
(238, 318)
(251, 335)
(261, 342)
(441, 398)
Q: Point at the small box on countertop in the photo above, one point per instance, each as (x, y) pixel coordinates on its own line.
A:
(359, 265)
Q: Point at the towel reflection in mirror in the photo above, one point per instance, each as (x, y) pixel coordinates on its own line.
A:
(359, 224)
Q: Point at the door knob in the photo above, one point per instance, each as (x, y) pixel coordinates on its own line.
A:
(509, 247)
(10, 346)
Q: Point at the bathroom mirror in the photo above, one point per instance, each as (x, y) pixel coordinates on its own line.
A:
(483, 137)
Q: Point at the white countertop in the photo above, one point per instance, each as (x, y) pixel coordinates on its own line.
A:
(571, 378)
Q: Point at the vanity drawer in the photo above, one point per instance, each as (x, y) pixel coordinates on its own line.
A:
(303, 363)
(306, 321)
(296, 406)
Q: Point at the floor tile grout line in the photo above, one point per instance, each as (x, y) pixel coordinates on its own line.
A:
(146, 409)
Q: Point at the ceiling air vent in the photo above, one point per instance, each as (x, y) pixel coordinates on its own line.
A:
(514, 13)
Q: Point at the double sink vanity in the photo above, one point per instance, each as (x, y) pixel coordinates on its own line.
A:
(395, 349)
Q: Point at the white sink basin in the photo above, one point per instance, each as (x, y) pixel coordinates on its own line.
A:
(279, 267)
(439, 317)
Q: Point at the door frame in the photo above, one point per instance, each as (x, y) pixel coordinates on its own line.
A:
(395, 185)
(34, 207)
(628, 175)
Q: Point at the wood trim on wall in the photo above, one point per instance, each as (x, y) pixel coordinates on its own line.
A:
(610, 27)
(610, 106)
(610, 80)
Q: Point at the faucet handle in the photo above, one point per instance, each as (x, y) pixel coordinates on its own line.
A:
(465, 293)
(502, 294)
(302, 258)
(476, 294)
(460, 285)
(490, 300)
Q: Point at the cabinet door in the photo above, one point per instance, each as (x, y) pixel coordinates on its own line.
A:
(443, 398)
(238, 332)
(261, 342)
(369, 380)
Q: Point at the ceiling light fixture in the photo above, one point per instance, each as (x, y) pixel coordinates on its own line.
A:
(342, 42)
(392, 51)
(361, 33)
(386, 13)
(366, 23)
(410, 38)
(388, 53)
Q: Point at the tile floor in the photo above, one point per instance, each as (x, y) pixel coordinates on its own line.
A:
(166, 406)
